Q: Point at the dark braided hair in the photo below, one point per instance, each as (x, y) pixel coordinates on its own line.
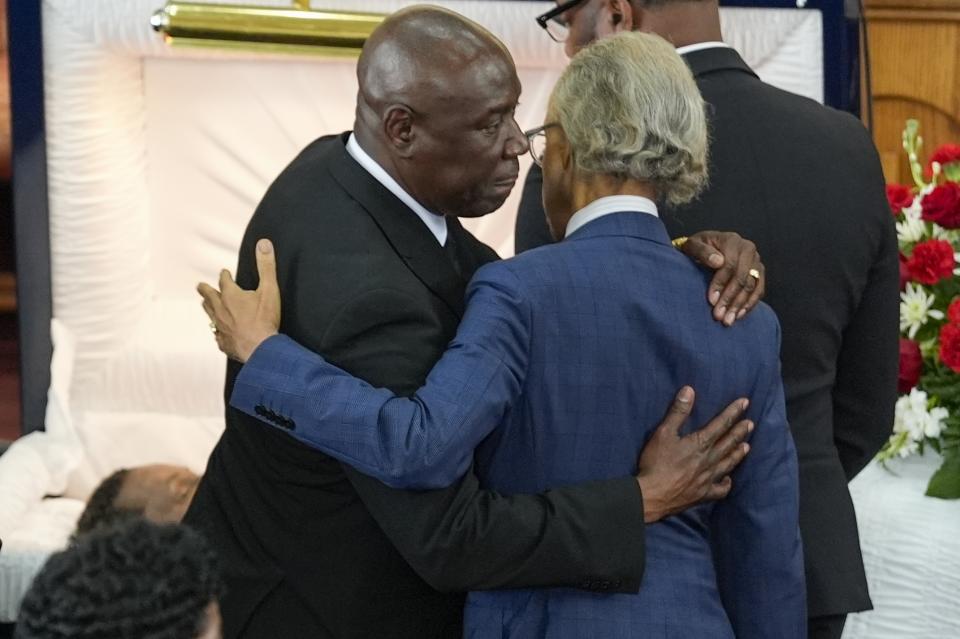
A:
(136, 580)
(101, 508)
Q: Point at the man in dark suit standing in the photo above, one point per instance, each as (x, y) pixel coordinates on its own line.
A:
(373, 269)
(804, 182)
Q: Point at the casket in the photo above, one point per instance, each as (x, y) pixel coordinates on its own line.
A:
(156, 160)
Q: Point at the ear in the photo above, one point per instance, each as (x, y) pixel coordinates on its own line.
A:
(618, 15)
(398, 128)
(564, 150)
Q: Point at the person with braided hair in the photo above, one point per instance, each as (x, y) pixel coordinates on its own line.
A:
(136, 580)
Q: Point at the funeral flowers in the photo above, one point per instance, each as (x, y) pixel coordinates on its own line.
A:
(928, 230)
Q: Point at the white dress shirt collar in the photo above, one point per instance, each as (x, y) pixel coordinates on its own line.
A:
(700, 46)
(608, 205)
(436, 223)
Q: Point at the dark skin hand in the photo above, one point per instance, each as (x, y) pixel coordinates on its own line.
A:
(673, 472)
(733, 291)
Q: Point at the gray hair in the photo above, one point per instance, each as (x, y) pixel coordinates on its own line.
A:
(629, 107)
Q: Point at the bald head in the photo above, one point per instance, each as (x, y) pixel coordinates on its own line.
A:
(437, 94)
(680, 22)
(418, 57)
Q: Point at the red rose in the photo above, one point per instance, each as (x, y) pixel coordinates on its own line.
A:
(950, 346)
(911, 365)
(942, 205)
(899, 197)
(946, 154)
(953, 311)
(931, 261)
(904, 273)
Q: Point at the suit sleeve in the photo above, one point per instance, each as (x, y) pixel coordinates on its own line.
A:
(424, 441)
(865, 391)
(756, 529)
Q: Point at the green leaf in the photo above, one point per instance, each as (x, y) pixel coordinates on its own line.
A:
(951, 171)
(945, 483)
(943, 384)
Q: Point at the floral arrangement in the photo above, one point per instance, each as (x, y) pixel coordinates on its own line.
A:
(928, 230)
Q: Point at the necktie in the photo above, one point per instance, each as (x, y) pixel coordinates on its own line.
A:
(453, 252)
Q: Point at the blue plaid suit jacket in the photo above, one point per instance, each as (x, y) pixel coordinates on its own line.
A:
(562, 367)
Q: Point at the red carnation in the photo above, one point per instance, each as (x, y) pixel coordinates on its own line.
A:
(942, 205)
(931, 261)
(953, 311)
(899, 197)
(904, 273)
(946, 154)
(911, 365)
(950, 346)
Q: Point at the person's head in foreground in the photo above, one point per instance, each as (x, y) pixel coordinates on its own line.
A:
(625, 118)
(136, 580)
(158, 492)
(436, 110)
(577, 23)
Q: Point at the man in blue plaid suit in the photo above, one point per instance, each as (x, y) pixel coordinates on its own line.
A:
(563, 356)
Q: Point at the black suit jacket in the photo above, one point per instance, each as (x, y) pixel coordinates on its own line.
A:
(312, 548)
(803, 181)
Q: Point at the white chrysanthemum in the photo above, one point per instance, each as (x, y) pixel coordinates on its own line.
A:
(911, 228)
(915, 309)
(916, 421)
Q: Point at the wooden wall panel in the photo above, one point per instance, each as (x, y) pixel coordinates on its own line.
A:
(915, 56)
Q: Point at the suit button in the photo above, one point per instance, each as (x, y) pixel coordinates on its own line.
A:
(289, 424)
(260, 410)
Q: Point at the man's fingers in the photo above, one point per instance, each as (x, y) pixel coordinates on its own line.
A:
(266, 265)
(208, 309)
(226, 281)
(678, 413)
(738, 308)
(739, 289)
(722, 423)
(758, 291)
(722, 288)
(732, 460)
(211, 299)
(720, 489)
(734, 437)
(703, 252)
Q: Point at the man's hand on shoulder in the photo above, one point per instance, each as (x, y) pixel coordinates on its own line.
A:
(241, 320)
(740, 279)
(675, 473)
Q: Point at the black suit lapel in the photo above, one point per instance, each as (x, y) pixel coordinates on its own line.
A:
(715, 59)
(408, 236)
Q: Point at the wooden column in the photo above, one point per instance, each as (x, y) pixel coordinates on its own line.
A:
(915, 55)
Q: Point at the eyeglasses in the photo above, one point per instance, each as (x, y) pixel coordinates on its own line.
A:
(537, 139)
(554, 23)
